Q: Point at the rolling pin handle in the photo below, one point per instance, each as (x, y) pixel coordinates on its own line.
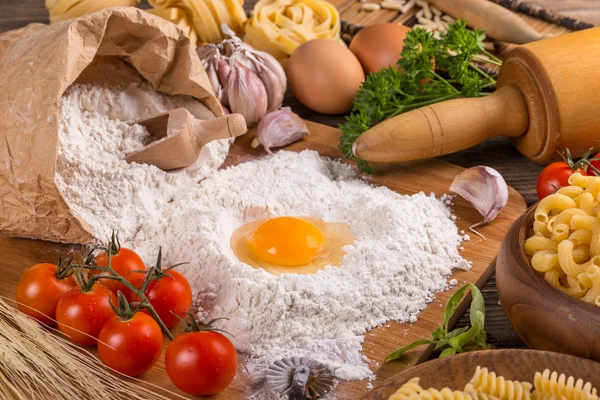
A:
(444, 128)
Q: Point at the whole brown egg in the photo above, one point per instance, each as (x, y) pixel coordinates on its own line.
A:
(379, 46)
(325, 75)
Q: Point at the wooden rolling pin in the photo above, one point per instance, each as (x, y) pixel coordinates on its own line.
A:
(497, 22)
(548, 98)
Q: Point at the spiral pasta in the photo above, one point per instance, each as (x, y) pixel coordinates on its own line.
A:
(487, 382)
(62, 10)
(552, 384)
(280, 26)
(486, 385)
(565, 244)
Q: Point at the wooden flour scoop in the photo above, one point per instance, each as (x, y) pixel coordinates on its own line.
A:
(548, 98)
(180, 137)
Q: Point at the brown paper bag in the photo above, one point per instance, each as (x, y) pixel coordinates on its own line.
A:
(37, 65)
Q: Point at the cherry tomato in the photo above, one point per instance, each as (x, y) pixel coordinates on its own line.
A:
(595, 163)
(39, 289)
(81, 315)
(555, 176)
(130, 346)
(172, 292)
(123, 261)
(201, 363)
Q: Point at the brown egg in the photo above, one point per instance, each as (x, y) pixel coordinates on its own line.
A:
(325, 76)
(379, 46)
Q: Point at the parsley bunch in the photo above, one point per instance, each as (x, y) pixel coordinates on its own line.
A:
(391, 92)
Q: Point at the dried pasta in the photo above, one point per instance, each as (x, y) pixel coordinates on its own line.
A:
(486, 385)
(202, 19)
(280, 26)
(62, 10)
(565, 243)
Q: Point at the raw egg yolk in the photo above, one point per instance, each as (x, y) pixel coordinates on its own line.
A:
(286, 241)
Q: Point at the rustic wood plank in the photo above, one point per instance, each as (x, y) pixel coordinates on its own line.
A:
(497, 153)
(433, 176)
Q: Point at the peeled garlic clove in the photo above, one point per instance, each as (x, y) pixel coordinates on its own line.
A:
(246, 95)
(485, 189)
(280, 128)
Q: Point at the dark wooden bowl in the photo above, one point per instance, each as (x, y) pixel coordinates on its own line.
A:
(544, 317)
(456, 371)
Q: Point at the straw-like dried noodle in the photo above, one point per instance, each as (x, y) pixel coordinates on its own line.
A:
(35, 363)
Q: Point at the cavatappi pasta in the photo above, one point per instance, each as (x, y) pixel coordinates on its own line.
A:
(565, 243)
(486, 385)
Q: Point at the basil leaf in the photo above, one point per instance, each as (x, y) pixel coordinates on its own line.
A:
(477, 306)
(452, 305)
(438, 333)
(461, 340)
(448, 352)
(400, 352)
(457, 332)
(439, 344)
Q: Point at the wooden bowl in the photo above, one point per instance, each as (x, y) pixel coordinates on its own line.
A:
(545, 318)
(456, 371)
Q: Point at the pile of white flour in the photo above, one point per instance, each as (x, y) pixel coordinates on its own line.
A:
(405, 246)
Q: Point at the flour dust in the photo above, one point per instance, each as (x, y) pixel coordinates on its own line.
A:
(405, 246)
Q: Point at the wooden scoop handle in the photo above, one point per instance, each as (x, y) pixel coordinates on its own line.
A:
(497, 22)
(444, 128)
(205, 131)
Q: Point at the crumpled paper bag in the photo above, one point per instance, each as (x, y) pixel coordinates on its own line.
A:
(37, 65)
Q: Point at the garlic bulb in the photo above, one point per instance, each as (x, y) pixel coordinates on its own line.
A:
(485, 189)
(279, 128)
(247, 81)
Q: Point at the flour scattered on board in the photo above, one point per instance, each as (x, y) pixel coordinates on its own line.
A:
(405, 246)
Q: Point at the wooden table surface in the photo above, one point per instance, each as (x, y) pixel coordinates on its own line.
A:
(497, 153)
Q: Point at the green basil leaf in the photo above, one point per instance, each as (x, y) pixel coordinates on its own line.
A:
(440, 344)
(452, 305)
(457, 331)
(400, 352)
(448, 352)
(438, 333)
(461, 340)
(477, 306)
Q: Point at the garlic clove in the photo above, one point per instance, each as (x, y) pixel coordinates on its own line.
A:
(275, 91)
(271, 63)
(485, 189)
(211, 71)
(280, 128)
(247, 95)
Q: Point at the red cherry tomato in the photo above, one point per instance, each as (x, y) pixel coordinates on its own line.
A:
(172, 292)
(555, 176)
(81, 315)
(39, 289)
(123, 262)
(131, 346)
(595, 163)
(201, 363)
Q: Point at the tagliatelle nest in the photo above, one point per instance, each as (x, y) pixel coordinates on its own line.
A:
(280, 26)
(62, 10)
(203, 18)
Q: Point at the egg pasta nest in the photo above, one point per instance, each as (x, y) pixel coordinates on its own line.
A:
(565, 243)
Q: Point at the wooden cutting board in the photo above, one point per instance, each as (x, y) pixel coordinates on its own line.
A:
(427, 176)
